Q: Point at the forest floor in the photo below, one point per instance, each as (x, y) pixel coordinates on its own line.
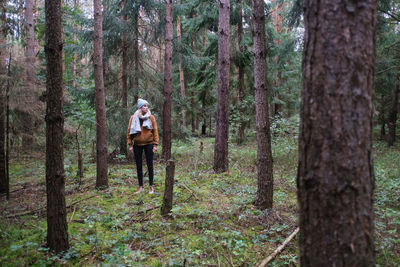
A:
(213, 221)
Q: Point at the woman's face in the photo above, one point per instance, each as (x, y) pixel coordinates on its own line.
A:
(144, 108)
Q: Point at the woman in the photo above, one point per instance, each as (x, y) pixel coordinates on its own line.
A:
(143, 131)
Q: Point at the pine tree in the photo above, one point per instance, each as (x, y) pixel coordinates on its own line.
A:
(222, 128)
(57, 228)
(335, 173)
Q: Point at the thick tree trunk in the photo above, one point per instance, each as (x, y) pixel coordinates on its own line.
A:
(101, 126)
(169, 188)
(393, 114)
(264, 154)
(57, 232)
(181, 73)
(335, 177)
(166, 149)
(27, 137)
(222, 130)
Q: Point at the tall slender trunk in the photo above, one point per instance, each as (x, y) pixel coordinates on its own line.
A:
(57, 228)
(8, 129)
(335, 176)
(136, 57)
(277, 16)
(166, 149)
(3, 71)
(241, 92)
(27, 137)
(141, 30)
(264, 154)
(192, 119)
(101, 126)
(181, 74)
(393, 114)
(222, 131)
(124, 57)
(75, 63)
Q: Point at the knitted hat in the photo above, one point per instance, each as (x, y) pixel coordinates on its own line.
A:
(141, 102)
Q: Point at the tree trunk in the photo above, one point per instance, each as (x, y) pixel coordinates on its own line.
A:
(136, 58)
(124, 57)
(335, 176)
(383, 131)
(277, 16)
(193, 113)
(181, 74)
(101, 126)
(166, 149)
(3, 174)
(241, 92)
(3, 72)
(222, 130)
(393, 114)
(57, 232)
(264, 154)
(75, 63)
(8, 129)
(169, 188)
(27, 137)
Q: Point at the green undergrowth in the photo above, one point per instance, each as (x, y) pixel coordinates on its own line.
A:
(213, 222)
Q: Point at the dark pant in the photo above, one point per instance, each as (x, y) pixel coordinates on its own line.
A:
(148, 151)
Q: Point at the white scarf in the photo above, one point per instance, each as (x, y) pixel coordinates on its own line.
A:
(135, 124)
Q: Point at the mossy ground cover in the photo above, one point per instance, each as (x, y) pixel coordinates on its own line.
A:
(213, 221)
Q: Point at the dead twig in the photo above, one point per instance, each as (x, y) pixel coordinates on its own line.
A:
(72, 216)
(279, 249)
(190, 190)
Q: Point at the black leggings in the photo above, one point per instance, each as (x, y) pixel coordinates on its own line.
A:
(148, 151)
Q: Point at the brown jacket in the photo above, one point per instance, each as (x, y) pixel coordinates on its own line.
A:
(146, 136)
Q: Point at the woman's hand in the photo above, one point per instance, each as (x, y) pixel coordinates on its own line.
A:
(130, 148)
(154, 148)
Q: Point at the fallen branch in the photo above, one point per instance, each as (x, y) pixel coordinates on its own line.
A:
(190, 190)
(279, 249)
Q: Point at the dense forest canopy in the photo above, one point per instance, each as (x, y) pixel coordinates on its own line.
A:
(261, 107)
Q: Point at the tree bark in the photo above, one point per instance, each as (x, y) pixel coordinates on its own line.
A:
(57, 228)
(277, 17)
(3, 72)
(169, 188)
(335, 176)
(101, 126)
(222, 128)
(166, 149)
(264, 154)
(75, 63)
(136, 57)
(124, 58)
(181, 73)
(27, 137)
(242, 126)
(393, 114)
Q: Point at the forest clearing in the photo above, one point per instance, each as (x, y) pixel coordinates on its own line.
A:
(199, 133)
